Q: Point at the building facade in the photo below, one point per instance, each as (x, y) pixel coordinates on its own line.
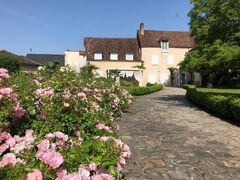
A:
(147, 57)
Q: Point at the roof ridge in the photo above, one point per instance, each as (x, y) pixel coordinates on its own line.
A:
(46, 54)
(168, 31)
(31, 60)
(109, 38)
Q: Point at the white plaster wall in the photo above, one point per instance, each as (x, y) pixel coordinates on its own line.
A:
(74, 60)
(158, 72)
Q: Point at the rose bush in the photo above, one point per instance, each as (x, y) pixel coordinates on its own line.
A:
(59, 125)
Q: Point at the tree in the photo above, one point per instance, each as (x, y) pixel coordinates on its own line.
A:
(215, 26)
(87, 70)
(9, 62)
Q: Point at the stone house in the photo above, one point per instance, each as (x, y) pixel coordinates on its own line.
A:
(157, 51)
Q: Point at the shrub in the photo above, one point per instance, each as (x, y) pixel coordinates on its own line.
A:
(138, 91)
(235, 107)
(125, 83)
(226, 105)
(59, 125)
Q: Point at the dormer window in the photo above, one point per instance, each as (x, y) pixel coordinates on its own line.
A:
(129, 57)
(165, 45)
(113, 56)
(97, 56)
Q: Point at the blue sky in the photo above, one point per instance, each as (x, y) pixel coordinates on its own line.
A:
(52, 26)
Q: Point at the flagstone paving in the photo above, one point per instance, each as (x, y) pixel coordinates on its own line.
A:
(171, 138)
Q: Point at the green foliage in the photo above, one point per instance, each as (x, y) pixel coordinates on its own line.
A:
(88, 71)
(63, 109)
(125, 83)
(224, 104)
(215, 26)
(140, 66)
(138, 91)
(9, 62)
(235, 107)
(102, 153)
(114, 73)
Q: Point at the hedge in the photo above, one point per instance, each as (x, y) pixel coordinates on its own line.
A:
(223, 104)
(138, 91)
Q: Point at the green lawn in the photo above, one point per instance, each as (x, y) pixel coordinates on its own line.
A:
(216, 90)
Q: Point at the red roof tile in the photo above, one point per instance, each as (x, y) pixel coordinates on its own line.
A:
(176, 39)
(122, 46)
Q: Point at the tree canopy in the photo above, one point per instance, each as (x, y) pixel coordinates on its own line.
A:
(215, 26)
(9, 61)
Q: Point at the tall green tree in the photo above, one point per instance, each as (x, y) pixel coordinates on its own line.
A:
(215, 25)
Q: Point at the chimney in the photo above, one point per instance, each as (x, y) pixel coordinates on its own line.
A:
(142, 29)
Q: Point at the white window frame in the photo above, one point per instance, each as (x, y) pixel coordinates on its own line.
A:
(114, 56)
(98, 56)
(155, 59)
(170, 60)
(129, 57)
(165, 46)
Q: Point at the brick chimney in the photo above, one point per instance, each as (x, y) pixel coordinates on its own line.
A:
(141, 29)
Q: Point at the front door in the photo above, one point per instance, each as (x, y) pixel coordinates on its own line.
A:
(183, 79)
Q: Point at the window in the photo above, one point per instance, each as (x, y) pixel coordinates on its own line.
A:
(155, 59)
(165, 45)
(98, 56)
(129, 57)
(113, 56)
(170, 59)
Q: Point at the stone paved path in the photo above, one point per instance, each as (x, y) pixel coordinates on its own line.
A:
(172, 139)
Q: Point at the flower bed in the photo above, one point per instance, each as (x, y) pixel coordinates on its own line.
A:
(139, 91)
(59, 126)
(225, 104)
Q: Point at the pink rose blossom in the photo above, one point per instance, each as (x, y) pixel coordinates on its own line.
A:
(104, 138)
(78, 133)
(44, 145)
(61, 174)
(10, 142)
(92, 166)
(50, 136)
(35, 175)
(103, 126)
(3, 148)
(18, 111)
(50, 157)
(4, 136)
(6, 91)
(61, 135)
(8, 159)
(102, 177)
(82, 95)
(60, 143)
(4, 73)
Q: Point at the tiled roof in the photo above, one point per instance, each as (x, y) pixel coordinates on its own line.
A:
(21, 59)
(176, 39)
(122, 46)
(82, 52)
(45, 58)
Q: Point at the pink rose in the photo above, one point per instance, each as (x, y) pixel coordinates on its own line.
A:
(6, 91)
(92, 166)
(8, 159)
(44, 145)
(35, 175)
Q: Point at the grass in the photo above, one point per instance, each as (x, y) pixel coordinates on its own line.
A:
(218, 90)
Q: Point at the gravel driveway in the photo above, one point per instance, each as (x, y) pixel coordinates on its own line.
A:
(171, 138)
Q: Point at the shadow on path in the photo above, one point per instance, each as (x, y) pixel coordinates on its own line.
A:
(171, 138)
